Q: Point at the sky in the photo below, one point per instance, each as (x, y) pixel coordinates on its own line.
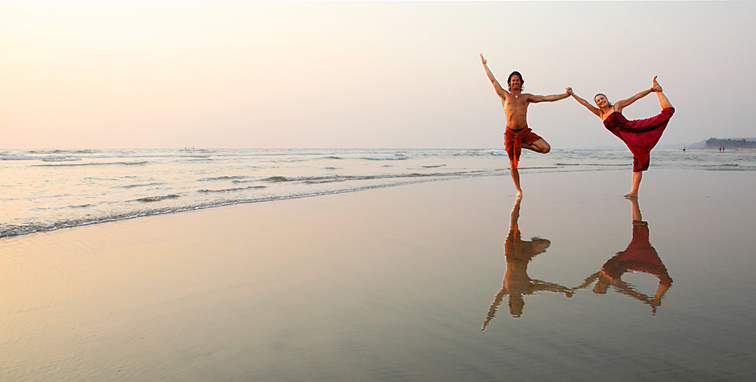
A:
(362, 74)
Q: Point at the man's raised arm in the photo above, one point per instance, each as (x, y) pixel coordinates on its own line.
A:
(548, 98)
(499, 90)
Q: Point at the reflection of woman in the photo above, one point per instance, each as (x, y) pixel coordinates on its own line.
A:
(517, 283)
(639, 256)
(639, 135)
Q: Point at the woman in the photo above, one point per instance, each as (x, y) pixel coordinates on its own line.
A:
(640, 135)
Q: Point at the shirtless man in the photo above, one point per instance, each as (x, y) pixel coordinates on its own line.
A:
(518, 135)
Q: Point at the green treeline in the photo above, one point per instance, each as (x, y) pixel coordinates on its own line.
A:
(730, 143)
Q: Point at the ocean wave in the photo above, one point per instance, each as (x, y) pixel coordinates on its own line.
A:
(92, 164)
(731, 168)
(193, 150)
(61, 159)
(157, 198)
(62, 151)
(225, 177)
(386, 158)
(587, 164)
(233, 189)
(277, 179)
(343, 178)
(129, 186)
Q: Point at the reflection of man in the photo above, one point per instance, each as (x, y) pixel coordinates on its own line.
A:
(639, 256)
(517, 283)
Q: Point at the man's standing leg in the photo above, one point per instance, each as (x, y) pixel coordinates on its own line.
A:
(539, 146)
(515, 175)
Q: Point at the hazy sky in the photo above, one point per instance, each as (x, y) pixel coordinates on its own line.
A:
(362, 75)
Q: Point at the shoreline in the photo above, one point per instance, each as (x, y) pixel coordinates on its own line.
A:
(160, 212)
(15, 231)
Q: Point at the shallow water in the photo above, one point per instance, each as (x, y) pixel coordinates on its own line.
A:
(395, 284)
(44, 190)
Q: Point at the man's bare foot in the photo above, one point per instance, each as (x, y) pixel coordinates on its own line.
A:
(657, 87)
(632, 195)
(519, 194)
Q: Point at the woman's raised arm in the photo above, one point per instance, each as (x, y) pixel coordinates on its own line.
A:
(585, 103)
(627, 102)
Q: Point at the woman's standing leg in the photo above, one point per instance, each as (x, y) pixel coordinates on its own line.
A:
(637, 176)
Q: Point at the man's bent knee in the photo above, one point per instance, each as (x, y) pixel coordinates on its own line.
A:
(541, 146)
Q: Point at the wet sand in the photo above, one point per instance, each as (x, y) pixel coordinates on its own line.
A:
(396, 284)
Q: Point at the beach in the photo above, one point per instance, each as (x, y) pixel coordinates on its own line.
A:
(395, 284)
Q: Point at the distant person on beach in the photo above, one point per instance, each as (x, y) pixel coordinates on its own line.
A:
(518, 135)
(517, 283)
(640, 135)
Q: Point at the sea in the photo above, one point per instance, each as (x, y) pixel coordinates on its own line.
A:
(46, 190)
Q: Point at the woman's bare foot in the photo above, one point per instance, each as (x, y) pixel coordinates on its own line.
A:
(632, 195)
(657, 88)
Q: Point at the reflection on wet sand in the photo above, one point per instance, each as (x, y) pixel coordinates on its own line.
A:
(517, 283)
(639, 256)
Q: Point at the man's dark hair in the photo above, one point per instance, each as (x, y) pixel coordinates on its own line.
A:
(509, 80)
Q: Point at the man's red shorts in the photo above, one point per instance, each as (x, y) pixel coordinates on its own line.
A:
(513, 142)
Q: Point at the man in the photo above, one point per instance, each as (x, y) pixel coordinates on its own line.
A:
(518, 135)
